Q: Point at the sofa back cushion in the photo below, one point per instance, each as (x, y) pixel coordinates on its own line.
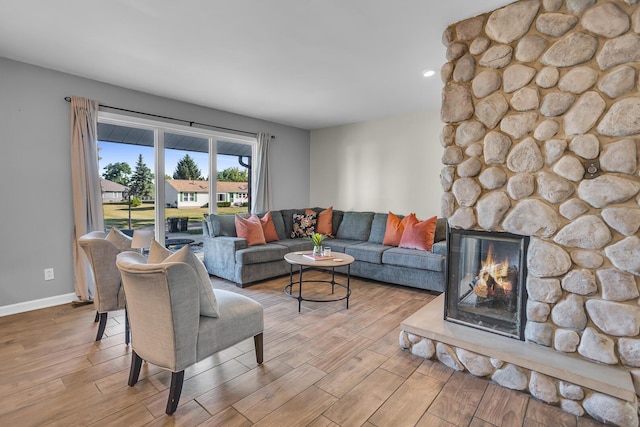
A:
(441, 230)
(378, 227)
(278, 222)
(222, 225)
(355, 226)
(337, 219)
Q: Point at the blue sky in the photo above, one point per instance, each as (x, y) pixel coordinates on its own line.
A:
(115, 152)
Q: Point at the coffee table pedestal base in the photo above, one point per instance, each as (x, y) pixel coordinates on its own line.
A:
(288, 290)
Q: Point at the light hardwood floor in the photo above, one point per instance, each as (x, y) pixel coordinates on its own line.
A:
(325, 366)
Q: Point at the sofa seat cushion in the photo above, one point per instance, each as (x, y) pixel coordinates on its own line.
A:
(294, 245)
(219, 333)
(339, 245)
(440, 248)
(368, 252)
(261, 253)
(414, 258)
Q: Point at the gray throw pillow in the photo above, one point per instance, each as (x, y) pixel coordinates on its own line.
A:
(208, 302)
(119, 239)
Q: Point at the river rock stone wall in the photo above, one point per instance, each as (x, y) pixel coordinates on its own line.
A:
(571, 398)
(533, 91)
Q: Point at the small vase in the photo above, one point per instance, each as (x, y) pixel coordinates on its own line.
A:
(317, 250)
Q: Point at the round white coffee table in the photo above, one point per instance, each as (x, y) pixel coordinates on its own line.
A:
(301, 259)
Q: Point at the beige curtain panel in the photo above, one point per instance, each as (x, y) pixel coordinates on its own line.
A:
(87, 195)
(261, 190)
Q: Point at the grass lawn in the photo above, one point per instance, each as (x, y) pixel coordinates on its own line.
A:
(117, 214)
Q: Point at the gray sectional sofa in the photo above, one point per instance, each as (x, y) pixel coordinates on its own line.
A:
(358, 234)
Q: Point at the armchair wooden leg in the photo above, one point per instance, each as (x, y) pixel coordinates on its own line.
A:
(134, 372)
(258, 343)
(101, 326)
(177, 379)
(127, 329)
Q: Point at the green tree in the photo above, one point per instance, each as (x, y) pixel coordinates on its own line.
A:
(117, 172)
(233, 175)
(187, 169)
(141, 183)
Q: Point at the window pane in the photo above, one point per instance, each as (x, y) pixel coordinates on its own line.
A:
(232, 186)
(186, 163)
(125, 158)
(128, 155)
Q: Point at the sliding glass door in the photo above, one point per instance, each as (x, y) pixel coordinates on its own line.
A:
(126, 163)
(162, 176)
(186, 184)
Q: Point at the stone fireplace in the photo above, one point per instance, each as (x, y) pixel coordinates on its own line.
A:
(486, 276)
(541, 105)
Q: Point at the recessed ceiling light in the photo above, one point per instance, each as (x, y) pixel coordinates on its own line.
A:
(427, 72)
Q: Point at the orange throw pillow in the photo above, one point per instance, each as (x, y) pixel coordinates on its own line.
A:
(419, 235)
(250, 229)
(395, 228)
(268, 228)
(324, 224)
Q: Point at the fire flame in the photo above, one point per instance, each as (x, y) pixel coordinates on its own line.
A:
(498, 271)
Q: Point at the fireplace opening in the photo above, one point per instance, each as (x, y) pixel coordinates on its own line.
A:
(486, 279)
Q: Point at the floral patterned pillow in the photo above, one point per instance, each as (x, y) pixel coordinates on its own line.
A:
(303, 225)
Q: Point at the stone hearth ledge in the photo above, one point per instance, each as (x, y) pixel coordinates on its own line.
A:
(429, 323)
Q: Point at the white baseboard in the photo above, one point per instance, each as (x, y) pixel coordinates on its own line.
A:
(21, 307)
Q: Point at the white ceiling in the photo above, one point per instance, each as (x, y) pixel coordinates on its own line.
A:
(304, 63)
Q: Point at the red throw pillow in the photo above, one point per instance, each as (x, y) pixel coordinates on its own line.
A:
(269, 228)
(250, 229)
(395, 228)
(324, 224)
(419, 235)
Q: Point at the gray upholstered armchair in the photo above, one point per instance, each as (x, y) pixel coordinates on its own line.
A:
(109, 294)
(170, 327)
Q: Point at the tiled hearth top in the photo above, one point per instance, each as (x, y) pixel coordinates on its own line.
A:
(429, 323)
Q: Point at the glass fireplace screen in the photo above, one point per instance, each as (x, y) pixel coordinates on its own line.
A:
(486, 274)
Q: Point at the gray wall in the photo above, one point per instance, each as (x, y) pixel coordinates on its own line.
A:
(391, 164)
(35, 179)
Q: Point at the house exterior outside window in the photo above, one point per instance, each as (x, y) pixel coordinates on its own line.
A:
(189, 197)
(182, 193)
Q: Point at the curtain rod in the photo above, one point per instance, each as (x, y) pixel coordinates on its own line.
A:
(68, 99)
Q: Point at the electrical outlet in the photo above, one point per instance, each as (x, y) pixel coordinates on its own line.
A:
(48, 274)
